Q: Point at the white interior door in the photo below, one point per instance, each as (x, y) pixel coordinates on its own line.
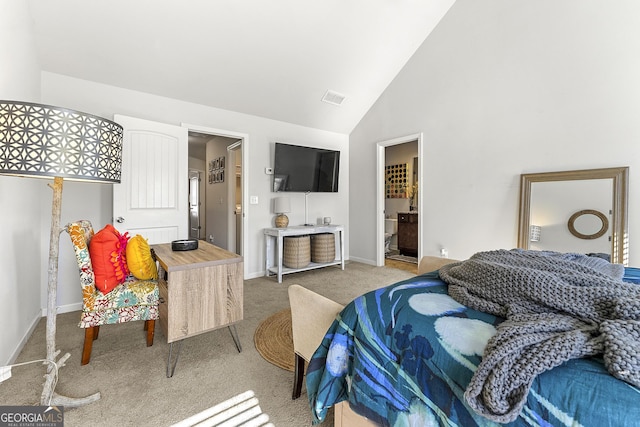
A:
(151, 198)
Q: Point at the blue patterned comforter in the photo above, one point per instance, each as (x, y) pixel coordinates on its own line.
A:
(403, 356)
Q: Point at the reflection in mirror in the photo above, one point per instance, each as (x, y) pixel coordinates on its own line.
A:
(553, 203)
(588, 224)
(548, 200)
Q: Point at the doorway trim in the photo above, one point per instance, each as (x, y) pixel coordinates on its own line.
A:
(231, 196)
(201, 190)
(380, 191)
(244, 137)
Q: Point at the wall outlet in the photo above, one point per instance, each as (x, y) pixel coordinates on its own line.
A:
(253, 200)
(268, 171)
(444, 253)
(5, 373)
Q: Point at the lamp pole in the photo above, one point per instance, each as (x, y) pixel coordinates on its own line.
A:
(49, 396)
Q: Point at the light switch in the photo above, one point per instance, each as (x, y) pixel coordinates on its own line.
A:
(253, 200)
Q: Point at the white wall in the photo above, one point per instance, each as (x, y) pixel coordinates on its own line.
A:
(22, 200)
(502, 88)
(94, 203)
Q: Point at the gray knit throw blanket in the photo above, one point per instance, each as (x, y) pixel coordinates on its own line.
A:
(557, 307)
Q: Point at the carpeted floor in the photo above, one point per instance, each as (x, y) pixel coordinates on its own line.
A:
(131, 377)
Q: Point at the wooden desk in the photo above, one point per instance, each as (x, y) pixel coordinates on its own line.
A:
(200, 291)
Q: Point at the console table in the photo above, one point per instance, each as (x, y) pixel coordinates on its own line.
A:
(200, 290)
(274, 243)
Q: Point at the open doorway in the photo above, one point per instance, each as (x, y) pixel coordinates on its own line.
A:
(220, 210)
(399, 178)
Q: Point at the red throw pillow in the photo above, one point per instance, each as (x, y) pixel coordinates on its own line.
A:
(107, 250)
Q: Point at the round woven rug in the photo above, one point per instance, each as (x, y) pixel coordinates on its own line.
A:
(274, 340)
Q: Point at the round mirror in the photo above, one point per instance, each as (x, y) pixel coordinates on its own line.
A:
(588, 224)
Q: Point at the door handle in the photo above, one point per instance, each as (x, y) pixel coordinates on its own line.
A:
(119, 220)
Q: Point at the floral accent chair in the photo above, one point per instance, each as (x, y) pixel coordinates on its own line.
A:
(129, 301)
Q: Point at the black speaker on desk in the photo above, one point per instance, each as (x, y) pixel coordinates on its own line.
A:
(184, 245)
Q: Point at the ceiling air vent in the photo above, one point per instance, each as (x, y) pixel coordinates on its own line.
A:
(332, 97)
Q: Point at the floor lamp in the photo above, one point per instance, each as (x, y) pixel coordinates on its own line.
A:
(43, 141)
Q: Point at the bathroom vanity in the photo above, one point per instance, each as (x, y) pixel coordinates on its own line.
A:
(408, 233)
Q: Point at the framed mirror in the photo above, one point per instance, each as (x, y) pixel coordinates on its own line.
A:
(554, 203)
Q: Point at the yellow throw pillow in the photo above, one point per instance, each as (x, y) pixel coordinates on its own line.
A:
(139, 259)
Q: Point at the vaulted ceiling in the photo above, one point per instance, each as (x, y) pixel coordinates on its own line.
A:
(270, 58)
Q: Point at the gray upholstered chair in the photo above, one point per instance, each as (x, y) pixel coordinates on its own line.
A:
(311, 316)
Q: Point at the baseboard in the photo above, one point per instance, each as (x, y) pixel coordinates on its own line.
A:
(254, 275)
(363, 261)
(62, 309)
(23, 341)
(65, 308)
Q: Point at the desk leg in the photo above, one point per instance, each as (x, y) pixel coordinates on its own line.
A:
(236, 339)
(171, 365)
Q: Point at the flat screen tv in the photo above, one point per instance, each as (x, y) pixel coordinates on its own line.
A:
(305, 169)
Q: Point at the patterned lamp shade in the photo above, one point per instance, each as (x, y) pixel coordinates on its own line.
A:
(45, 141)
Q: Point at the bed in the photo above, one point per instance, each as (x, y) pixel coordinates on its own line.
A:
(405, 355)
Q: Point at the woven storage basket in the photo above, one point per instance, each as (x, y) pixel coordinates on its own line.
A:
(297, 251)
(323, 247)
